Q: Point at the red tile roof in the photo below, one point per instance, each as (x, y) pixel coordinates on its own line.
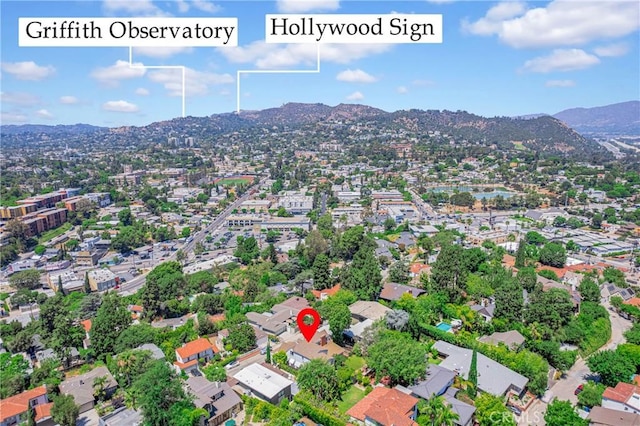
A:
(194, 348)
(560, 272)
(621, 393)
(184, 365)
(385, 406)
(86, 324)
(634, 301)
(417, 268)
(43, 411)
(19, 403)
(328, 292)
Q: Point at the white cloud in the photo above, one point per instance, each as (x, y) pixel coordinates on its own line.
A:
(120, 106)
(278, 56)
(12, 118)
(300, 6)
(161, 52)
(141, 91)
(355, 96)
(121, 70)
(183, 6)
(19, 98)
(440, 1)
(206, 6)
(69, 100)
(559, 23)
(560, 83)
(617, 49)
(28, 70)
(133, 7)
(43, 113)
(355, 76)
(196, 82)
(561, 60)
(402, 90)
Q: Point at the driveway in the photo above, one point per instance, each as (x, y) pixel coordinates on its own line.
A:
(565, 387)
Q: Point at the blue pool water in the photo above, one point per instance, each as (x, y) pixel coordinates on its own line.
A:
(443, 326)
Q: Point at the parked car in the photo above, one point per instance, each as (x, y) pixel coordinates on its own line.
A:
(579, 389)
(515, 410)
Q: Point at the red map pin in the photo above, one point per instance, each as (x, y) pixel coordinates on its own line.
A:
(308, 330)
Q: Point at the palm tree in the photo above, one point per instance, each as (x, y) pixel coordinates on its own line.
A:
(435, 412)
(99, 387)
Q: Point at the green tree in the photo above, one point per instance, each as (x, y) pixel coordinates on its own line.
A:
(533, 237)
(320, 379)
(633, 334)
(110, 321)
(562, 413)
(165, 282)
(339, 317)
(509, 301)
(156, 391)
(280, 358)
(553, 254)
(60, 286)
(13, 374)
(552, 308)
(28, 279)
(267, 356)
(589, 290)
(521, 255)
(436, 412)
(87, 286)
(241, 337)
(528, 278)
(491, 411)
(399, 272)
(448, 272)
(612, 367)
(125, 217)
(398, 356)
(64, 411)
(473, 374)
(596, 221)
(321, 272)
(591, 394)
(363, 276)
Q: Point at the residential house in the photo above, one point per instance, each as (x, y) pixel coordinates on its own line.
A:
(511, 339)
(216, 398)
(493, 377)
(264, 383)
(623, 397)
(385, 407)
(600, 416)
(394, 291)
(281, 318)
(363, 310)
(321, 347)
(327, 292)
(156, 352)
(81, 387)
(485, 309)
(188, 356)
(439, 381)
(122, 416)
(15, 409)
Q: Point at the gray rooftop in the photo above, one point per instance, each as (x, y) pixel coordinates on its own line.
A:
(156, 352)
(121, 417)
(217, 394)
(437, 380)
(511, 339)
(493, 377)
(81, 387)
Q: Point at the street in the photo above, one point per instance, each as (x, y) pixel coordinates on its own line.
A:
(565, 388)
(131, 287)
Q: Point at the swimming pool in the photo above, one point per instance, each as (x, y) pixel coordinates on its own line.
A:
(444, 327)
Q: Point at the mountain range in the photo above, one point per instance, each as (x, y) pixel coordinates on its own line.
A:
(544, 134)
(616, 119)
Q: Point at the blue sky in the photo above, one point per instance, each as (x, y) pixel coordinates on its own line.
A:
(497, 58)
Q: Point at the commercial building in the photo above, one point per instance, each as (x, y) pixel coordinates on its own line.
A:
(102, 279)
(261, 382)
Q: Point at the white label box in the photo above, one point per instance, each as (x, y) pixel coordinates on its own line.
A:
(394, 28)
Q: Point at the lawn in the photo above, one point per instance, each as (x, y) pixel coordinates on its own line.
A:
(350, 398)
(234, 181)
(354, 362)
(53, 233)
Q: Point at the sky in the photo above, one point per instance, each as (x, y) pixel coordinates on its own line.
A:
(500, 58)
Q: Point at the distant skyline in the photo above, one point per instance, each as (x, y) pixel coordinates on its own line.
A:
(503, 58)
